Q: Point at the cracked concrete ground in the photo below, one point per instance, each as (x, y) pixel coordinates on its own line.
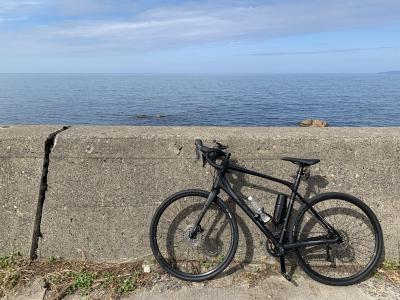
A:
(272, 286)
(249, 283)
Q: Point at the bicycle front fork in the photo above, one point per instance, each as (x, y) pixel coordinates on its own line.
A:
(196, 228)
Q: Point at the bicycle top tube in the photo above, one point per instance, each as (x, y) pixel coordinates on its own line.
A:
(210, 155)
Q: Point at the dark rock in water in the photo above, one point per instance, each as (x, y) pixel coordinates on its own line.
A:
(143, 116)
(313, 123)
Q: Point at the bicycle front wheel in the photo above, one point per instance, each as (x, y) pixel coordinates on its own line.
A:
(343, 263)
(187, 257)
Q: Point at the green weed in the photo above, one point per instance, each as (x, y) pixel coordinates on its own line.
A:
(82, 281)
(127, 285)
(7, 261)
(53, 259)
(70, 277)
(391, 265)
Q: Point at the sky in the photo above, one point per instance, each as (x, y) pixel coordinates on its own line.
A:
(172, 36)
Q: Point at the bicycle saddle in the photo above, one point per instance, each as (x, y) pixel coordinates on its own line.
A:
(301, 161)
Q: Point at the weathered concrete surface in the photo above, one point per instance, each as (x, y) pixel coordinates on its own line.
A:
(248, 283)
(106, 182)
(21, 160)
(33, 291)
(272, 288)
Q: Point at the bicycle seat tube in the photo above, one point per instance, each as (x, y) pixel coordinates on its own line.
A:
(291, 202)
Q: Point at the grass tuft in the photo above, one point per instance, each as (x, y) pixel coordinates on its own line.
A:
(127, 285)
(391, 265)
(52, 258)
(63, 277)
(390, 269)
(82, 282)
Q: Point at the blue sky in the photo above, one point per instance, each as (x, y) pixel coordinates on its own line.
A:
(286, 36)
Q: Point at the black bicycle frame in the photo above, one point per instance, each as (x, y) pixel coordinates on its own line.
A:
(222, 182)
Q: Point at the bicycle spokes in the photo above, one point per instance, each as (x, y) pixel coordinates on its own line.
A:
(190, 248)
(354, 247)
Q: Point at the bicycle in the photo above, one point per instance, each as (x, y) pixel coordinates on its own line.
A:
(319, 235)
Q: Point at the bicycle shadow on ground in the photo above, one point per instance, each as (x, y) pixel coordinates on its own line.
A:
(239, 182)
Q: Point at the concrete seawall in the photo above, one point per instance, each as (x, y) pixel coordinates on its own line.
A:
(21, 165)
(104, 183)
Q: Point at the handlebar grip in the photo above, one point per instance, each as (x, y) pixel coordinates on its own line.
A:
(198, 143)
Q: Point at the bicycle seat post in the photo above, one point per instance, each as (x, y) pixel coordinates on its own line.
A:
(300, 172)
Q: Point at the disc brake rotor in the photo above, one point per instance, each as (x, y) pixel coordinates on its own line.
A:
(192, 242)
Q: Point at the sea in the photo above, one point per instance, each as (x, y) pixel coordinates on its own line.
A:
(352, 100)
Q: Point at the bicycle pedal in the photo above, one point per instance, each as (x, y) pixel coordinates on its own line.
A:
(287, 276)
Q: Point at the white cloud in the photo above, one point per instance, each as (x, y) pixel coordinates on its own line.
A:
(15, 5)
(190, 24)
(15, 11)
(181, 24)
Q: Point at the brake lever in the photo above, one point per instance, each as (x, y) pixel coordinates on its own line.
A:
(204, 161)
(220, 146)
(197, 153)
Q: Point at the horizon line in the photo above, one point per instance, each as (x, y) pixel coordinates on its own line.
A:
(199, 73)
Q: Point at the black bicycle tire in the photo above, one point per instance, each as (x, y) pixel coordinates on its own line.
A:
(367, 270)
(154, 245)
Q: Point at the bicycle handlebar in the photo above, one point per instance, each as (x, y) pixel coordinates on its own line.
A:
(210, 154)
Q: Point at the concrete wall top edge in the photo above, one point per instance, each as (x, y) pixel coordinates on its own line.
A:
(26, 131)
(24, 141)
(210, 132)
(89, 131)
(136, 142)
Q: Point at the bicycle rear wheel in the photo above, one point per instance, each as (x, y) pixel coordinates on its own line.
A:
(350, 261)
(183, 256)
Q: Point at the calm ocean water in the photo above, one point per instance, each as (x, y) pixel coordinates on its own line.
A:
(221, 100)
